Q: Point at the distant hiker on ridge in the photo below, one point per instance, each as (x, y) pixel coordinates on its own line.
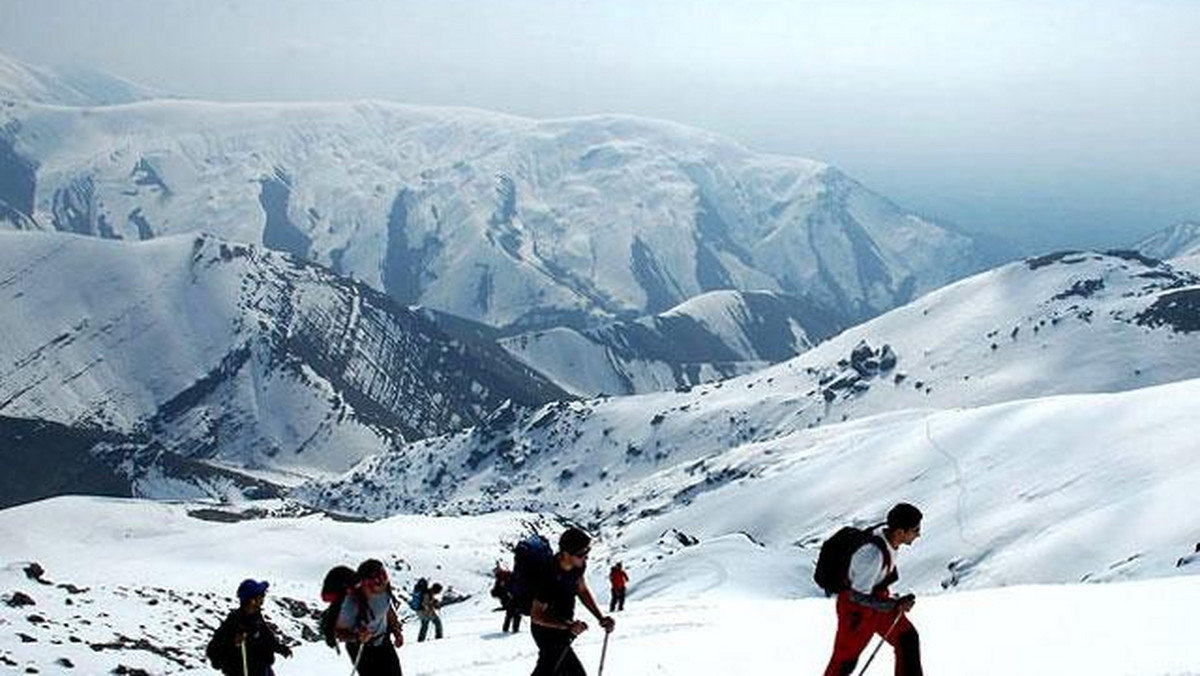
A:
(859, 566)
(553, 609)
(367, 618)
(244, 644)
(618, 579)
(502, 591)
(428, 612)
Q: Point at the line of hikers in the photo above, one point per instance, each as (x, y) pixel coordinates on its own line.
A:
(858, 565)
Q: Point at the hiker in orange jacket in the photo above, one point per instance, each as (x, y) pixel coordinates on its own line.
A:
(618, 579)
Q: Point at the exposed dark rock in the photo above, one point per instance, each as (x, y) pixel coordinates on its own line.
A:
(1083, 289)
(1179, 310)
(42, 459)
(887, 359)
(34, 571)
(1050, 259)
(64, 662)
(19, 600)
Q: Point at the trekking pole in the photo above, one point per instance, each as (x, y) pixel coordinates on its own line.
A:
(357, 657)
(245, 665)
(881, 641)
(603, 652)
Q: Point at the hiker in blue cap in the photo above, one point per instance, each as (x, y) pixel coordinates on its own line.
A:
(244, 644)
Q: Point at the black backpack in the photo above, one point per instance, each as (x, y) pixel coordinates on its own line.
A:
(532, 559)
(419, 588)
(338, 582)
(833, 563)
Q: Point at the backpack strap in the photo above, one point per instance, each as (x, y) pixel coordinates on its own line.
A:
(891, 574)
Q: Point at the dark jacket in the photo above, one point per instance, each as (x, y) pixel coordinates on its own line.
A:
(261, 645)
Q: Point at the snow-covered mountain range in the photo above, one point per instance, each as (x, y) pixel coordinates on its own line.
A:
(1069, 323)
(518, 223)
(66, 86)
(712, 336)
(1178, 241)
(189, 347)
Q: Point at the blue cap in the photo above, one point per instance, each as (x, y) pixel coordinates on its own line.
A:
(249, 589)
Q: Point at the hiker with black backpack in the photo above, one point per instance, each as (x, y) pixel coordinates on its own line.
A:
(366, 619)
(860, 566)
(557, 584)
(244, 644)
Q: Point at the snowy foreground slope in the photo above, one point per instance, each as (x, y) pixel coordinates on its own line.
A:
(140, 585)
(231, 354)
(511, 221)
(1070, 323)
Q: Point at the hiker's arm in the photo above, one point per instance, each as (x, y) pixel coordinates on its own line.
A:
(395, 626)
(873, 602)
(539, 614)
(585, 595)
(866, 565)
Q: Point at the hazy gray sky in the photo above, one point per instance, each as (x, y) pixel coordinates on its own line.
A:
(1054, 123)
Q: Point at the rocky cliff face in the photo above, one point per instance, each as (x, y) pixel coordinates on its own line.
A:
(232, 355)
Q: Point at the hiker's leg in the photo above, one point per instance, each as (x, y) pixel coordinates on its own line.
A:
(621, 602)
(424, 629)
(855, 626)
(437, 626)
(552, 648)
(907, 645)
(612, 601)
(570, 665)
(379, 660)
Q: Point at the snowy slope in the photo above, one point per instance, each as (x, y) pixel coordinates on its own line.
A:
(65, 86)
(1178, 241)
(1061, 324)
(516, 222)
(232, 354)
(96, 608)
(709, 337)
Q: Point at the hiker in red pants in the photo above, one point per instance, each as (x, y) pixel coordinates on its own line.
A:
(865, 608)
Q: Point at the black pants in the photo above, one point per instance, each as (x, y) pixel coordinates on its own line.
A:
(512, 617)
(377, 660)
(617, 600)
(555, 656)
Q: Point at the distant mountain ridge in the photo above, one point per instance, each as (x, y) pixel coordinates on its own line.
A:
(1178, 241)
(712, 336)
(517, 223)
(61, 86)
(214, 352)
